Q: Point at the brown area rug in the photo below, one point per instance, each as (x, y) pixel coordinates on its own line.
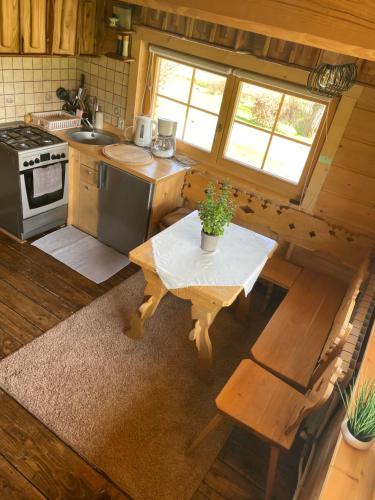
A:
(130, 407)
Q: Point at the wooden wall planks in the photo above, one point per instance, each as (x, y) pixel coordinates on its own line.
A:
(348, 194)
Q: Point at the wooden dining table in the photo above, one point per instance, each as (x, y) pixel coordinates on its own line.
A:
(206, 301)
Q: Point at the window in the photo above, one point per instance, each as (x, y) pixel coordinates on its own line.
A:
(268, 131)
(273, 131)
(192, 97)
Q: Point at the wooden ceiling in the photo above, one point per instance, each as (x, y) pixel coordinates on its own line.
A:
(343, 26)
(249, 42)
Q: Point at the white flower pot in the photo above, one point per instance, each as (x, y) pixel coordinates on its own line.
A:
(209, 242)
(351, 440)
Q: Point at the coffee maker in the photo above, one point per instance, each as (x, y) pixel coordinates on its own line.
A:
(164, 145)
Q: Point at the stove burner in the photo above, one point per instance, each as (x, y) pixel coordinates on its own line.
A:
(25, 138)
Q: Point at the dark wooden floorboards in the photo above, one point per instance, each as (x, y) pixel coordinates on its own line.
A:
(36, 293)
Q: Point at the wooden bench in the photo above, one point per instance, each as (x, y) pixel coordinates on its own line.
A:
(309, 327)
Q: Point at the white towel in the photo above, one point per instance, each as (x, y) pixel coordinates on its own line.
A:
(47, 179)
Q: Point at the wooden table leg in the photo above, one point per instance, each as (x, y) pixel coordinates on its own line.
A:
(155, 290)
(243, 307)
(203, 314)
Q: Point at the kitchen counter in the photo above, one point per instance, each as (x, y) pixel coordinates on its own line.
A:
(157, 171)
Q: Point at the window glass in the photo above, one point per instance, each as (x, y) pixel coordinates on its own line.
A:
(286, 159)
(208, 90)
(247, 145)
(192, 97)
(273, 131)
(174, 80)
(197, 122)
(299, 118)
(257, 106)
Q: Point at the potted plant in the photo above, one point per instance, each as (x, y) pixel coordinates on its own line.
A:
(358, 428)
(215, 211)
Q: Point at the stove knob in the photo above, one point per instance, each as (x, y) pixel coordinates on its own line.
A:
(25, 163)
(36, 160)
(62, 155)
(53, 157)
(31, 162)
(58, 157)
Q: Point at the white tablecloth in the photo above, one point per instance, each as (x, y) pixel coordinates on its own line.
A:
(239, 259)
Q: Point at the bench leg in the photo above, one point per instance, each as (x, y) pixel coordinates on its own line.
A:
(210, 427)
(272, 469)
(155, 290)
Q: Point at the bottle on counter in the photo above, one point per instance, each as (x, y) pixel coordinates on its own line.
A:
(125, 46)
(99, 119)
(119, 45)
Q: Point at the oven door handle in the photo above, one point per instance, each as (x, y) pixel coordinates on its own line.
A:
(102, 177)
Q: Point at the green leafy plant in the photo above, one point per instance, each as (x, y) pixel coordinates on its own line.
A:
(359, 404)
(216, 210)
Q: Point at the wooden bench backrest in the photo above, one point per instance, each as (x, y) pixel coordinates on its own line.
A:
(283, 222)
(340, 325)
(318, 395)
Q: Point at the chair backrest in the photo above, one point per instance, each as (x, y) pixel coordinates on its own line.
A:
(318, 395)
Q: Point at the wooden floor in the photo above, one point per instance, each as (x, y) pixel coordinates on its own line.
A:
(36, 293)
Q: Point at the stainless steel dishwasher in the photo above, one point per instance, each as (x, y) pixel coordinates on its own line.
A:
(124, 208)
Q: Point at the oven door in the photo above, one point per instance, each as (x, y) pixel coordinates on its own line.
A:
(36, 205)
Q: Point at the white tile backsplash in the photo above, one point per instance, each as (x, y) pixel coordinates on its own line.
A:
(29, 84)
(108, 80)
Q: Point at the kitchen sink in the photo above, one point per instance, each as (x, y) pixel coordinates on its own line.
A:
(93, 138)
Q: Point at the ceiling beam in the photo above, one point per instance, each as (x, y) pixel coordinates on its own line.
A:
(343, 26)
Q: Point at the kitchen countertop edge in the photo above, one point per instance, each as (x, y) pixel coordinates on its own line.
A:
(155, 172)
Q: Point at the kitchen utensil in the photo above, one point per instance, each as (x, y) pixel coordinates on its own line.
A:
(164, 146)
(143, 134)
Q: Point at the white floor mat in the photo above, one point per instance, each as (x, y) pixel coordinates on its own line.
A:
(83, 253)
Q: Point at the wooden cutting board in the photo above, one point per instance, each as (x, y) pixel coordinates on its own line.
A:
(127, 153)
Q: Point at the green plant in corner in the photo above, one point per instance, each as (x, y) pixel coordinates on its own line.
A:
(359, 404)
(216, 210)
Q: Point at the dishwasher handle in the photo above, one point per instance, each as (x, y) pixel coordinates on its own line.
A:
(102, 177)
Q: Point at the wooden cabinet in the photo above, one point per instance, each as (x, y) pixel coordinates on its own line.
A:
(9, 27)
(88, 197)
(33, 24)
(65, 17)
(87, 39)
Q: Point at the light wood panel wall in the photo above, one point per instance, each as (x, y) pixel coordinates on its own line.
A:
(348, 194)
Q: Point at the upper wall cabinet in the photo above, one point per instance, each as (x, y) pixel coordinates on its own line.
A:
(88, 26)
(9, 27)
(33, 22)
(65, 17)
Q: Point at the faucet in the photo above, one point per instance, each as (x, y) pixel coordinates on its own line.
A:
(89, 124)
(88, 119)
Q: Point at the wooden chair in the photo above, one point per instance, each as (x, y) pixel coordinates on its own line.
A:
(268, 407)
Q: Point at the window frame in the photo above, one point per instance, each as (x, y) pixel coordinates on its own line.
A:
(188, 104)
(260, 176)
(185, 147)
(226, 119)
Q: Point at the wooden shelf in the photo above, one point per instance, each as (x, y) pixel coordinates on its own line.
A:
(113, 55)
(119, 30)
